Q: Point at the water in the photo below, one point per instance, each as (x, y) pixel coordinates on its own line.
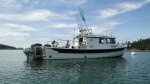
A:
(16, 69)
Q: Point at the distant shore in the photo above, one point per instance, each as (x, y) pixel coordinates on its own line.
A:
(137, 50)
(11, 49)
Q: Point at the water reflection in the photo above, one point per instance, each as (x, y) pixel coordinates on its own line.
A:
(105, 63)
(83, 71)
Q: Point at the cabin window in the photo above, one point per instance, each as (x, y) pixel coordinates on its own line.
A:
(101, 40)
(113, 40)
(91, 39)
(110, 40)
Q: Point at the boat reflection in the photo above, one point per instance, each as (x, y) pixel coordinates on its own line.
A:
(79, 70)
(79, 64)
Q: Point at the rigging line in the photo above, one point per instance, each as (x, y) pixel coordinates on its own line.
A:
(80, 21)
(73, 9)
(82, 16)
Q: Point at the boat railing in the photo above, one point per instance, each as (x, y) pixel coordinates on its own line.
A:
(59, 43)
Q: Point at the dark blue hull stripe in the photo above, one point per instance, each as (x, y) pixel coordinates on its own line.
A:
(64, 50)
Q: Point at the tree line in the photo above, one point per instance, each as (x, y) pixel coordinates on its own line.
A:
(2, 46)
(141, 44)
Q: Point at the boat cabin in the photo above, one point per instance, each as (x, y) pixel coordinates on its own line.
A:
(93, 41)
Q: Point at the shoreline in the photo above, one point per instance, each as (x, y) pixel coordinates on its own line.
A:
(137, 50)
(11, 49)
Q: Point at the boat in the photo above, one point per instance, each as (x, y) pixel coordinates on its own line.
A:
(85, 45)
(133, 53)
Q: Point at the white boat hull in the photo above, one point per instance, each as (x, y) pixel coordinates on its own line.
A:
(70, 53)
(51, 54)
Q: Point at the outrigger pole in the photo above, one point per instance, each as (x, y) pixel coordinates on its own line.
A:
(82, 16)
(79, 16)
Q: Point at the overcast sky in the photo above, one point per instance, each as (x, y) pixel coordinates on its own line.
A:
(24, 22)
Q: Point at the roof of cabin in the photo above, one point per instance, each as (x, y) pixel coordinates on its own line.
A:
(99, 37)
(94, 36)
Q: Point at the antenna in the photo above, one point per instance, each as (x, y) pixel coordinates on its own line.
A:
(83, 28)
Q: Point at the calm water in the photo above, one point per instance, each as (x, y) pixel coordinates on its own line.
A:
(16, 69)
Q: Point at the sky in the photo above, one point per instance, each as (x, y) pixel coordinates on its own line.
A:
(24, 22)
